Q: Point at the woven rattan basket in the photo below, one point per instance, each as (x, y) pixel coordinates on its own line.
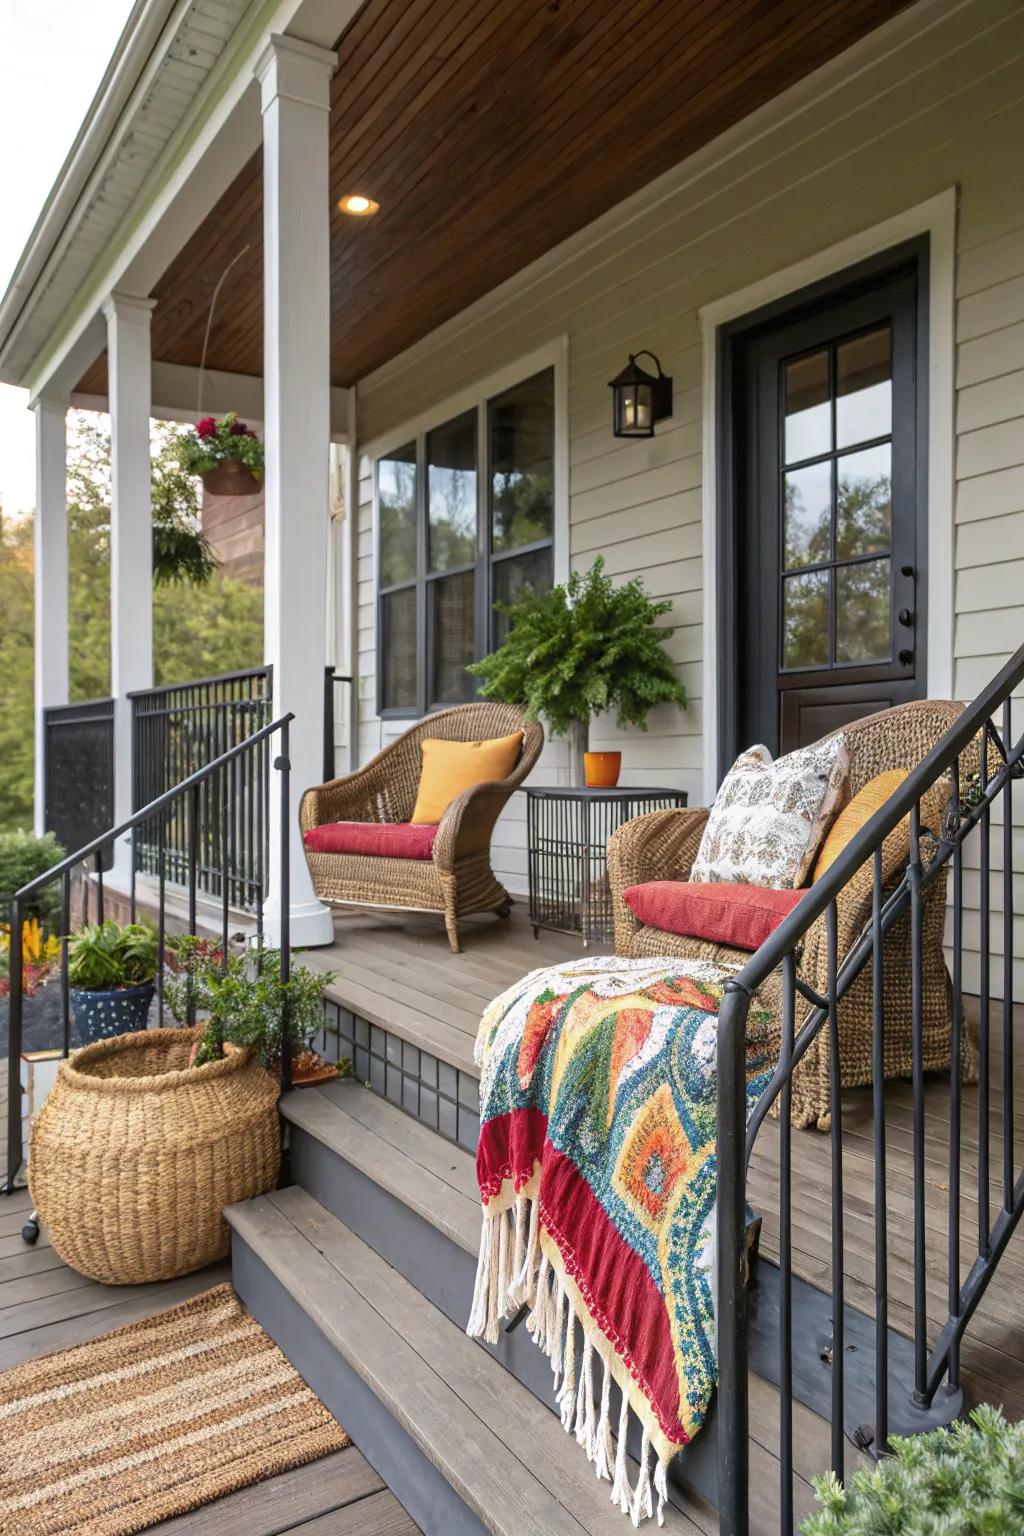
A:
(135, 1154)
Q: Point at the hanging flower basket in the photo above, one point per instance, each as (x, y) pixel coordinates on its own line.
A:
(225, 453)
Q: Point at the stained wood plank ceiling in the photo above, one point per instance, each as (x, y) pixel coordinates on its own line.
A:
(489, 131)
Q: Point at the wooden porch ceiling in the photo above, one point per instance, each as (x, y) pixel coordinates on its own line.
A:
(489, 131)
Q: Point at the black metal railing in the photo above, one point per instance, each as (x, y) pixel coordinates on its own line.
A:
(177, 730)
(78, 772)
(982, 761)
(197, 808)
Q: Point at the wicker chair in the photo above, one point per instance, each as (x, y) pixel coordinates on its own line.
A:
(663, 845)
(458, 878)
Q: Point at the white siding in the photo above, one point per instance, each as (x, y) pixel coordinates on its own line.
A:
(934, 99)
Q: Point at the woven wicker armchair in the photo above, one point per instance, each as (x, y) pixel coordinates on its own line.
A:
(663, 845)
(458, 878)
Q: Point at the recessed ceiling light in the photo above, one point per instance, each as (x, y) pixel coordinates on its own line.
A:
(358, 205)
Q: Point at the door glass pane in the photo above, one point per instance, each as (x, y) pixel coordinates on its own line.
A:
(513, 577)
(521, 428)
(396, 497)
(451, 494)
(864, 388)
(863, 608)
(805, 620)
(451, 616)
(864, 502)
(808, 514)
(398, 648)
(808, 408)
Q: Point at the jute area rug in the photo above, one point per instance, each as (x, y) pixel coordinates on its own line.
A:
(151, 1421)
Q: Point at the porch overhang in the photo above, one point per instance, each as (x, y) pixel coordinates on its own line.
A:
(488, 136)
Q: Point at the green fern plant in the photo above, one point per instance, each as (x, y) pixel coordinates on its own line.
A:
(964, 1481)
(581, 649)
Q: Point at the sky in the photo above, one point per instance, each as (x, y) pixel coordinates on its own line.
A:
(52, 57)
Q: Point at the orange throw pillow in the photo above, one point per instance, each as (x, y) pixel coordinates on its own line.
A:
(859, 811)
(449, 767)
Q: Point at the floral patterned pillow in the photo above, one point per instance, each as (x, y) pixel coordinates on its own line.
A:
(769, 818)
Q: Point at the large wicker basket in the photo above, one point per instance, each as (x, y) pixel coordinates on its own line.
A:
(135, 1154)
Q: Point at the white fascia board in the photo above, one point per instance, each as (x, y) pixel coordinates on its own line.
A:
(216, 136)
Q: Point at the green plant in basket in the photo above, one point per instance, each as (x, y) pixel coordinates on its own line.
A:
(105, 956)
(964, 1481)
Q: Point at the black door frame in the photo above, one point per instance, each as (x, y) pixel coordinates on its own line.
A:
(912, 255)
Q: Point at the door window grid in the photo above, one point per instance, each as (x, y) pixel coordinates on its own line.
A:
(512, 435)
(818, 444)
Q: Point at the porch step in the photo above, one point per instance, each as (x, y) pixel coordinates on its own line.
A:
(463, 1445)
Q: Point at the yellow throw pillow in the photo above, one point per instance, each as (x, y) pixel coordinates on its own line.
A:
(449, 767)
(853, 816)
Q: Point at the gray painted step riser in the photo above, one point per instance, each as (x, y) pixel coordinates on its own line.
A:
(417, 1484)
(445, 1273)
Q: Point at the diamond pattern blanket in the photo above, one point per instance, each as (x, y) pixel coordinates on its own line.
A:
(597, 1167)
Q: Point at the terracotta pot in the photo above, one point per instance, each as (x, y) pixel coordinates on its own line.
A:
(602, 769)
(230, 478)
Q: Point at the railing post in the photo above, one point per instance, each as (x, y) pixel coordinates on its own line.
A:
(731, 1320)
(14, 1050)
(283, 765)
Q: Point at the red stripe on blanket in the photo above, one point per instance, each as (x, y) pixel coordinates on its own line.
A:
(613, 1279)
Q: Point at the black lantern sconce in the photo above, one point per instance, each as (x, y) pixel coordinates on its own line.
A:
(639, 399)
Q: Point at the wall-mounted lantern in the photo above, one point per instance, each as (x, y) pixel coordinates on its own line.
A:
(639, 398)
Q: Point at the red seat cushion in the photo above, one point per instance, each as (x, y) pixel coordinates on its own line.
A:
(739, 915)
(376, 839)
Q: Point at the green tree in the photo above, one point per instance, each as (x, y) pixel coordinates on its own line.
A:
(202, 623)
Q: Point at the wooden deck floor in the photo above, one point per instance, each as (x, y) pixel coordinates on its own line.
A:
(397, 971)
(45, 1306)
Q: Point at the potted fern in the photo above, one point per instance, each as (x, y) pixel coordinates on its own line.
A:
(581, 649)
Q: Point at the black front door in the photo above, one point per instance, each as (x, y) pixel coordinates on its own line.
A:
(828, 542)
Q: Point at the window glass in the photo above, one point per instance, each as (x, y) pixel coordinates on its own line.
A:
(864, 502)
(396, 496)
(808, 514)
(863, 608)
(808, 425)
(805, 620)
(451, 494)
(864, 388)
(398, 649)
(521, 437)
(512, 578)
(452, 618)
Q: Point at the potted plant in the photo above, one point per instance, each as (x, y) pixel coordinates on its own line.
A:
(225, 453)
(580, 649)
(959, 1482)
(243, 1002)
(111, 971)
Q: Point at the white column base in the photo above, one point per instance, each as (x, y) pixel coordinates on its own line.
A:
(312, 924)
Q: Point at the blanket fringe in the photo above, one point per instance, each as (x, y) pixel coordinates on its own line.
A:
(513, 1270)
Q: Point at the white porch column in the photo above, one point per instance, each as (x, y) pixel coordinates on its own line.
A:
(51, 580)
(129, 369)
(295, 82)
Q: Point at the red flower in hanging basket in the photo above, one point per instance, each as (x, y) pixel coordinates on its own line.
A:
(226, 453)
(240, 429)
(207, 427)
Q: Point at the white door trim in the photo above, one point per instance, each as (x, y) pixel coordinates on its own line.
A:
(937, 219)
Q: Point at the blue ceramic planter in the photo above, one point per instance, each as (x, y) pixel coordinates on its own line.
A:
(99, 1014)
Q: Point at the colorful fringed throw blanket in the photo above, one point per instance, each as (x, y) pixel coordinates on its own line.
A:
(597, 1168)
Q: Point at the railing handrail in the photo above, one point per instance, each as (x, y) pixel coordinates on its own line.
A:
(148, 811)
(200, 682)
(872, 835)
(57, 709)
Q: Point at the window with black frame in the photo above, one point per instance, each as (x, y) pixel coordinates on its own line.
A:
(453, 541)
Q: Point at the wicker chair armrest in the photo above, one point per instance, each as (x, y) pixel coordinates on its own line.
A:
(661, 845)
(358, 796)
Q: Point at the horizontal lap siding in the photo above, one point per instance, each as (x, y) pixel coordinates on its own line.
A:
(934, 100)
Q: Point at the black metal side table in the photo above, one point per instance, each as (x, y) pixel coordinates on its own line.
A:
(567, 832)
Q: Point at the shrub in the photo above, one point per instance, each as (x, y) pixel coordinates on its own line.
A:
(23, 856)
(581, 649)
(964, 1481)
